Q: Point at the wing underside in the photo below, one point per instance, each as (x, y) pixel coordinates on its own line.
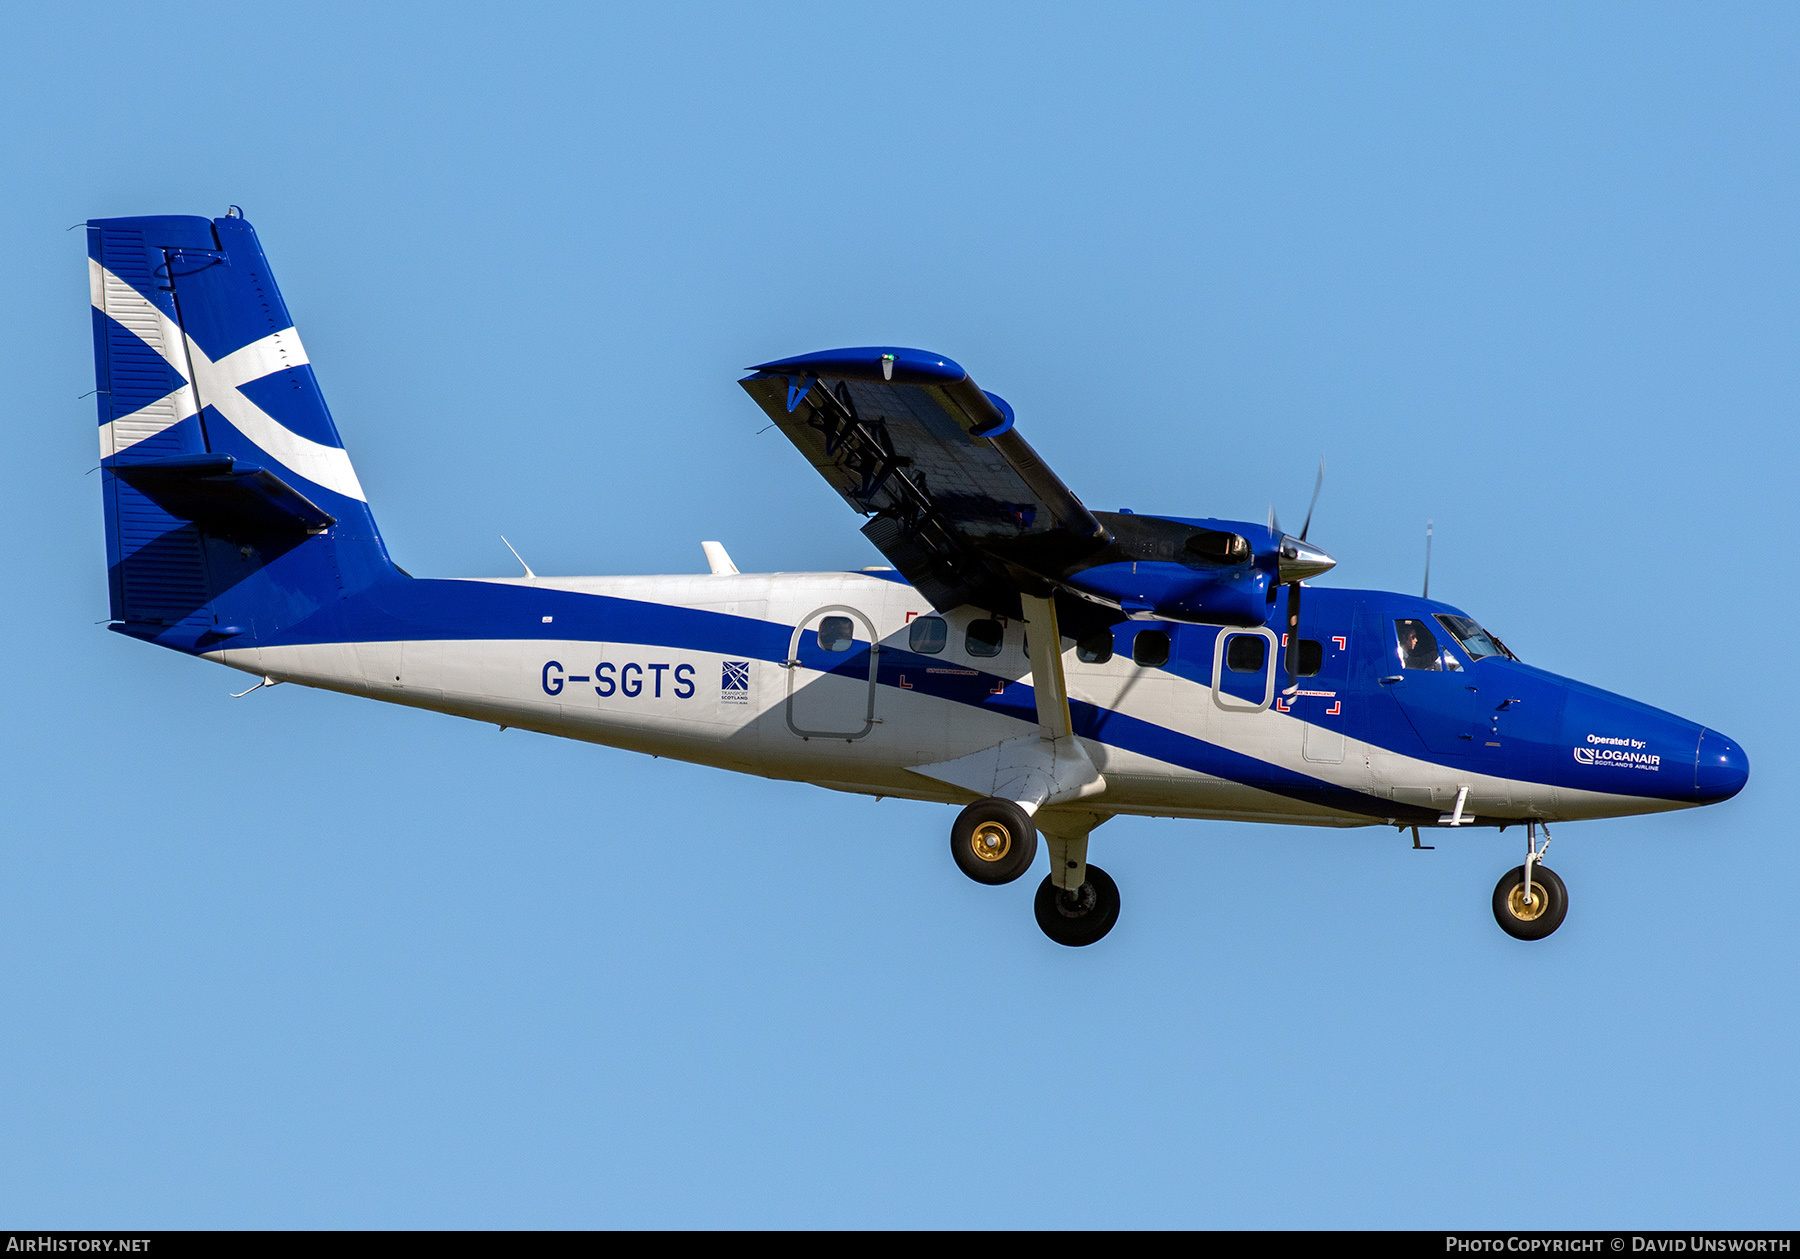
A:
(958, 501)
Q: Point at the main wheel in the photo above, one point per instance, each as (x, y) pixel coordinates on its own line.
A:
(1078, 918)
(993, 841)
(1549, 903)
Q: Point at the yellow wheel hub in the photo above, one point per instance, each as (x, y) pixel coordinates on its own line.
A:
(1516, 906)
(991, 841)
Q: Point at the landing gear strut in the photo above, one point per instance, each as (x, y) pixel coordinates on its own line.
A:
(1077, 903)
(1530, 901)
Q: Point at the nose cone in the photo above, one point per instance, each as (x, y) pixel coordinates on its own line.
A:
(1720, 768)
(1300, 560)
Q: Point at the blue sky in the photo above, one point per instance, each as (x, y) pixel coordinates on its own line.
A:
(304, 960)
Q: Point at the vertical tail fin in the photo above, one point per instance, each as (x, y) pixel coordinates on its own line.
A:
(232, 508)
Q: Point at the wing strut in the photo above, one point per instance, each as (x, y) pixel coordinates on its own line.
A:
(1043, 768)
(1052, 689)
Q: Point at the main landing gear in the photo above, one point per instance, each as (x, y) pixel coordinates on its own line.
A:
(1079, 917)
(995, 841)
(1530, 901)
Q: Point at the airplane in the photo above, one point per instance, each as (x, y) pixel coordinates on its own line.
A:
(1042, 665)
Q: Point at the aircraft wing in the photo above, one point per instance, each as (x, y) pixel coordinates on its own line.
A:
(960, 503)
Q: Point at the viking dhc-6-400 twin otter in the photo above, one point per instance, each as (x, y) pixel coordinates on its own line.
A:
(1043, 665)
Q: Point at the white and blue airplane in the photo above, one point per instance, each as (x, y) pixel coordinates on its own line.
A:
(1045, 666)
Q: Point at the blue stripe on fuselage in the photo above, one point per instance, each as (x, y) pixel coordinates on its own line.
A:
(426, 609)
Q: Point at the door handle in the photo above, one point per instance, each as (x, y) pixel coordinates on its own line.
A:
(1398, 677)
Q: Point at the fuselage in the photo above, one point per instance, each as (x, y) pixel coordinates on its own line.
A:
(851, 681)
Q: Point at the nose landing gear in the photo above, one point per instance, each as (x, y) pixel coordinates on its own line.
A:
(1530, 901)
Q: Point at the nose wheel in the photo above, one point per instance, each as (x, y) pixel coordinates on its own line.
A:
(1082, 916)
(1530, 901)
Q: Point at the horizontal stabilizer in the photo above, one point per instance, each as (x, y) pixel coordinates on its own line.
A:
(226, 498)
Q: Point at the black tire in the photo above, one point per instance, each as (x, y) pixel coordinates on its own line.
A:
(1510, 908)
(1082, 918)
(993, 841)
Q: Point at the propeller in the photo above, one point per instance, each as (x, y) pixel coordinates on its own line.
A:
(1318, 485)
(1298, 561)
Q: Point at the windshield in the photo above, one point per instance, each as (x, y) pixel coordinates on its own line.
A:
(1475, 640)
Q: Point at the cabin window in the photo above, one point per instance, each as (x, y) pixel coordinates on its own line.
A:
(1150, 648)
(984, 638)
(1475, 640)
(928, 635)
(1312, 658)
(1247, 653)
(836, 633)
(1095, 647)
(1417, 646)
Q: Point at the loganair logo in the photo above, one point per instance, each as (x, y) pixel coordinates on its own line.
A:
(1620, 753)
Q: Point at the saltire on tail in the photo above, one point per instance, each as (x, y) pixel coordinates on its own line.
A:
(232, 508)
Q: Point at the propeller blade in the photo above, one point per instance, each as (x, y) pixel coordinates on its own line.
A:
(1293, 637)
(1317, 486)
(1274, 523)
(1426, 593)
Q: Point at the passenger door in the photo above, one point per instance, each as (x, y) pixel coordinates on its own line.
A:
(831, 667)
(1243, 676)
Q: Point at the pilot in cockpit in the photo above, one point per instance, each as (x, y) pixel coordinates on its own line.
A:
(1418, 646)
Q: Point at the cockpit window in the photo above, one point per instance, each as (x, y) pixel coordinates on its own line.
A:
(1475, 640)
(1418, 647)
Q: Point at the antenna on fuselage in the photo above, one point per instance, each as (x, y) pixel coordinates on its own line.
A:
(1426, 593)
(520, 558)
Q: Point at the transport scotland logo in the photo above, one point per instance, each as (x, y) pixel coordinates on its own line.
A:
(734, 682)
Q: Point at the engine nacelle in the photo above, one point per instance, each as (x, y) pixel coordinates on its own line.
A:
(1214, 571)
